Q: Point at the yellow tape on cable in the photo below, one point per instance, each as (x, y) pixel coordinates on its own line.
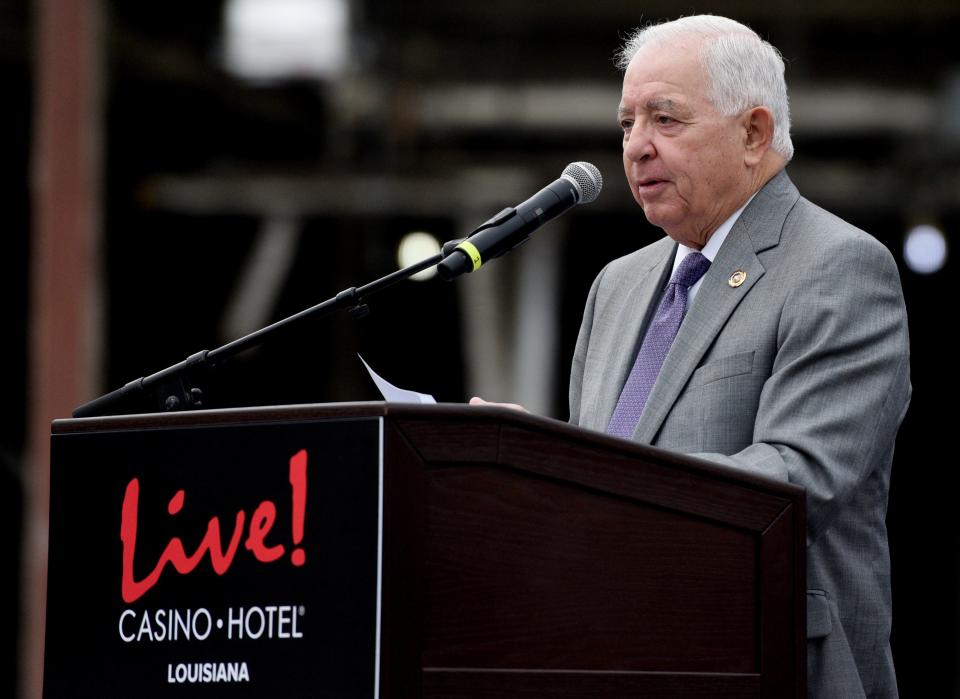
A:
(472, 253)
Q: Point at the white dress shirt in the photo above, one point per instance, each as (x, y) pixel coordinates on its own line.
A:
(710, 249)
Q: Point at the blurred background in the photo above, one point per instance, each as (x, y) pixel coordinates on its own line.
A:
(179, 174)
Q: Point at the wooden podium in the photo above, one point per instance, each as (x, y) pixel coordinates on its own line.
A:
(387, 550)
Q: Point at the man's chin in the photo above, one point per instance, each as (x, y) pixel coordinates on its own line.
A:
(657, 216)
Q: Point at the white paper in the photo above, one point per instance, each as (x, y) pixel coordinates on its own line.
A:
(391, 393)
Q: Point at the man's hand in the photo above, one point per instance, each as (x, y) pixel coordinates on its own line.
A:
(476, 400)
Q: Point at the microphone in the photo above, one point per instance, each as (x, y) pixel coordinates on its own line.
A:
(580, 183)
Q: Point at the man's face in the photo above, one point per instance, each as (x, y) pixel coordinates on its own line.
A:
(684, 161)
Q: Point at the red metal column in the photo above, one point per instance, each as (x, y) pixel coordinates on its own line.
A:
(63, 332)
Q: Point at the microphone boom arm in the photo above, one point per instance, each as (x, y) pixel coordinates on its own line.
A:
(174, 388)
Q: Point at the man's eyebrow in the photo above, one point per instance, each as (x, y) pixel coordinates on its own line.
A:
(656, 104)
(663, 104)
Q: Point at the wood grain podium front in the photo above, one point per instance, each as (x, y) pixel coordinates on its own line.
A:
(384, 550)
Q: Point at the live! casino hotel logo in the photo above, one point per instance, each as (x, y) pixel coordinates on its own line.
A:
(266, 621)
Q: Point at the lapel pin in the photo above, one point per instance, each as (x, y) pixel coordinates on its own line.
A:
(737, 278)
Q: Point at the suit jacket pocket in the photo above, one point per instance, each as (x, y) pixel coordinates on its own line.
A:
(819, 622)
(723, 368)
(722, 399)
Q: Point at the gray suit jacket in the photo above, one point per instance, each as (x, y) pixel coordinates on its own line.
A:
(801, 374)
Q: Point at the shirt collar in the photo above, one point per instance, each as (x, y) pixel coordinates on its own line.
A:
(712, 247)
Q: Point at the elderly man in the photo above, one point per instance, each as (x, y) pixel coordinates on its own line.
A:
(763, 333)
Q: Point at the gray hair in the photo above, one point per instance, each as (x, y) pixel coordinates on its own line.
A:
(744, 70)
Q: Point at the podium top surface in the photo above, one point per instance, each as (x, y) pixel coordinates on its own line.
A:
(411, 413)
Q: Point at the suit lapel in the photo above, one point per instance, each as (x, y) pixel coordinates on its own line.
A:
(757, 229)
(634, 315)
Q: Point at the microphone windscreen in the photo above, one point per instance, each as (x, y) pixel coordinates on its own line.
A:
(587, 178)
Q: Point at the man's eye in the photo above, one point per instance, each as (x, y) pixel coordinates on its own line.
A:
(625, 124)
(663, 119)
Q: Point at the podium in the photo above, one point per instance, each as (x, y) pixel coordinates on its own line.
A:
(386, 550)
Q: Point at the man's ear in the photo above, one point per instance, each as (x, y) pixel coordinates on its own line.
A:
(758, 134)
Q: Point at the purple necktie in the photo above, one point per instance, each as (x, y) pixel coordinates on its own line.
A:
(656, 343)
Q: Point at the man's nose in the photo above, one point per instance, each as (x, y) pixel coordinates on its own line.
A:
(638, 146)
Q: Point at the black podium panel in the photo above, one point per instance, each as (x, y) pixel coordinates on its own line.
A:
(215, 560)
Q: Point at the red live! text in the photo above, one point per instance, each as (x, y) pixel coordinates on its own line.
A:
(261, 522)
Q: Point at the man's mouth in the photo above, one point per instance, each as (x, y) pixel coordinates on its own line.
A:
(650, 184)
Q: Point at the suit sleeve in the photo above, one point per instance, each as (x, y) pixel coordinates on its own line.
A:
(839, 386)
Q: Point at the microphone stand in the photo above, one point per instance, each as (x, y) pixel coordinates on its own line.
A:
(173, 388)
